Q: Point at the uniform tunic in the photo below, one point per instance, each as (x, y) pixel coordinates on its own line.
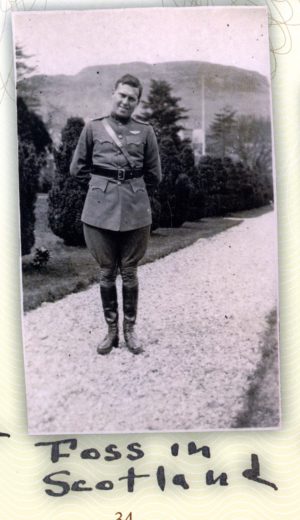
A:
(112, 204)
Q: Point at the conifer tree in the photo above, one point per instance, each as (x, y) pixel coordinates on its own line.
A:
(67, 195)
(33, 142)
(222, 132)
(24, 70)
(163, 112)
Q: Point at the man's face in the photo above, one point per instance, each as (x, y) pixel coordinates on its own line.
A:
(124, 100)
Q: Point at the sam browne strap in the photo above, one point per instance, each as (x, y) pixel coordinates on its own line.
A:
(117, 141)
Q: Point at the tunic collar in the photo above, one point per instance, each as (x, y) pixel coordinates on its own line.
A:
(120, 120)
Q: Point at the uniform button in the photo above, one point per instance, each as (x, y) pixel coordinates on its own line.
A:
(119, 182)
(120, 136)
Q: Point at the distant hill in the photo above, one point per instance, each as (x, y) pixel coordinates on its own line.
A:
(87, 94)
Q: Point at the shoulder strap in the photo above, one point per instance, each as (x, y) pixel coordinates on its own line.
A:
(117, 141)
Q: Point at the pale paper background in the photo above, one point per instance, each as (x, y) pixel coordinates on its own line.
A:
(22, 466)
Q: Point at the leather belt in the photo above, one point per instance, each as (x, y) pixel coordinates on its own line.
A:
(120, 174)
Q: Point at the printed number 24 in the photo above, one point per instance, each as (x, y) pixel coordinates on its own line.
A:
(120, 516)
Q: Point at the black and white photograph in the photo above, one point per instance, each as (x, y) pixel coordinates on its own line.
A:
(148, 231)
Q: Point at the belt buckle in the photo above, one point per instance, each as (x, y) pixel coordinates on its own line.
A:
(121, 174)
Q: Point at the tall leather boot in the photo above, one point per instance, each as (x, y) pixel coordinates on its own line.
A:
(110, 308)
(130, 301)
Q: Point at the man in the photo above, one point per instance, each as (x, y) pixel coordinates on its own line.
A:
(118, 151)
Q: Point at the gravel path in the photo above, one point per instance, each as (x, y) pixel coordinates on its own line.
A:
(202, 317)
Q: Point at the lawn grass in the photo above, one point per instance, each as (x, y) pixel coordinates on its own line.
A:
(72, 269)
(261, 408)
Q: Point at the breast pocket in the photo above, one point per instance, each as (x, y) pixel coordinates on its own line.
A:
(104, 145)
(135, 144)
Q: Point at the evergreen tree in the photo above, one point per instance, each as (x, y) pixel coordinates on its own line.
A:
(222, 133)
(33, 142)
(253, 142)
(254, 148)
(67, 195)
(31, 128)
(171, 169)
(163, 112)
(202, 182)
(28, 185)
(24, 70)
(223, 186)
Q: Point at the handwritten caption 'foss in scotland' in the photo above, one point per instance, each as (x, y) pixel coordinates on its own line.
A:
(60, 483)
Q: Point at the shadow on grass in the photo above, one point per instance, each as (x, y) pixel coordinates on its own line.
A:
(262, 401)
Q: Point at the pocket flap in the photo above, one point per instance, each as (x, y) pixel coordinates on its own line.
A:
(137, 184)
(131, 139)
(98, 182)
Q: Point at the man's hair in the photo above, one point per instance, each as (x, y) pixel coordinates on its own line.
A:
(128, 79)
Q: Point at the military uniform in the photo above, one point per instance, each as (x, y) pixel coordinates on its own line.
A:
(112, 203)
(117, 212)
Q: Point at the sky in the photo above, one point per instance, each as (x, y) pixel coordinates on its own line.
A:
(64, 42)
